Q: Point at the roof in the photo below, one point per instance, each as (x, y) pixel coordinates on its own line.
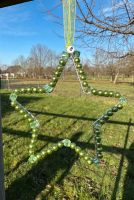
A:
(4, 3)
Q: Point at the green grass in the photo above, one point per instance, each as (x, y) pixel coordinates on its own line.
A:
(66, 114)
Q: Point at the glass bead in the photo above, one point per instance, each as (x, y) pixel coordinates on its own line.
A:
(66, 142)
(65, 55)
(32, 159)
(60, 68)
(98, 139)
(30, 119)
(13, 97)
(40, 90)
(48, 88)
(95, 160)
(97, 132)
(34, 124)
(16, 91)
(86, 157)
(76, 54)
(100, 156)
(43, 153)
(33, 135)
(28, 89)
(34, 130)
(123, 100)
(55, 79)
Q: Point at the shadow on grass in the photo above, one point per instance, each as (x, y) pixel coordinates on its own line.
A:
(80, 118)
(34, 181)
(24, 100)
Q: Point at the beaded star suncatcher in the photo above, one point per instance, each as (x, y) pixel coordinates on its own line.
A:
(69, 10)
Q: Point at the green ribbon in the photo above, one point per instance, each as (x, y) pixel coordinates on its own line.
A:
(69, 15)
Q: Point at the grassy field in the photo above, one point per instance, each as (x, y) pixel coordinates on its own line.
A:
(63, 175)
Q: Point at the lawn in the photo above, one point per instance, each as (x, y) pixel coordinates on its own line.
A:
(63, 175)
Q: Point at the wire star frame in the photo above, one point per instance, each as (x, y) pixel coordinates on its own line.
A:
(69, 9)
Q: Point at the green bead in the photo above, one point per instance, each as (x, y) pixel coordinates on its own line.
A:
(100, 92)
(21, 111)
(40, 90)
(30, 119)
(34, 90)
(99, 149)
(30, 146)
(109, 113)
(101, 121)
(52, 83)
(49, 151)
(81, 72)
(22, 90)
(111, 93)
(32, 141)
(60, 144)
(43, 153)
(89, 162)
(106, 93)
(13, 103)
(31, 151)
(55, 79)
(86, 157)
(62, 62)
(34, 130)
(76, 60)
(77, 149)
(17, 107)
(76, 54)
(85, 83)
(73, 146)
(60, 68)
(25, 115)
(16, 91)
(97, 132)
(57, 73)
(34, 135)
(81, 153)
(79, 66)
(98, 139)
(38, 156)
(117, 94)
(100, 156)
(120, 106)
(55, 148)
(28, 89)
(94, 91)
(115, 109)
(13, 97)
(105, 117)
(32, 159)
(83, 77)
(66, 142)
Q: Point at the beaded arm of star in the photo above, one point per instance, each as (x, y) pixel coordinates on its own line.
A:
(69, 10)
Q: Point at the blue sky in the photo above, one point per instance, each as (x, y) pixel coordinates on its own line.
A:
(25, 25)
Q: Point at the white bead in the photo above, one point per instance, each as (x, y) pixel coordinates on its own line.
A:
(70, 49)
